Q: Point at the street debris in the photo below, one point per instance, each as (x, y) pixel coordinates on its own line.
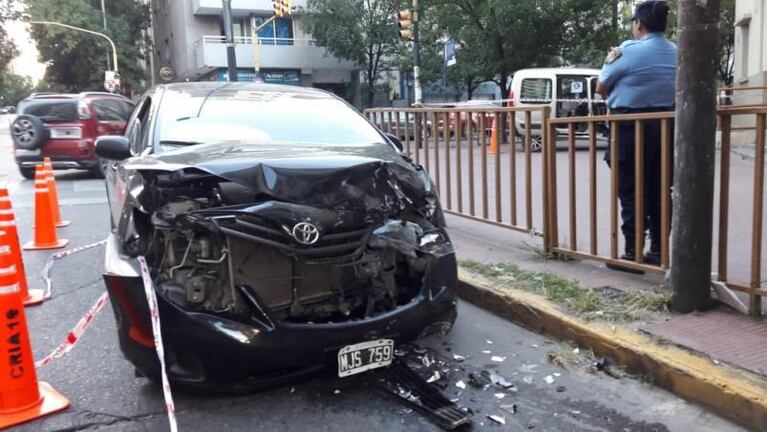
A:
(549, 379)
(436, 376)
(510, 408)
(497, 419)
(458, 358)
(489, 341)
(292, 390)
(500, 395)
(410, 388)
(498, 359)
(461, 385)
(527, 379)
(336, 391)
(486, 351)
(561, 389)
(528, 368)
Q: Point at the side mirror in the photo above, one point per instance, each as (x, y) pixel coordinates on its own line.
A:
(113, 147)
(394, 140)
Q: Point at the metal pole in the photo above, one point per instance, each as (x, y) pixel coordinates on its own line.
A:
(444, 71)
(104, 17)
(691, 235)
(231, 58)
(416, 55)
(114, 49)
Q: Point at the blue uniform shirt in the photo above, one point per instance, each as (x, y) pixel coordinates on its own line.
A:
(644, 75)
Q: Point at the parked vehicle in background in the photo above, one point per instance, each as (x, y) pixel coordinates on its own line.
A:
(568, 91)
(8, 110)
(64, 127)
(406, 124)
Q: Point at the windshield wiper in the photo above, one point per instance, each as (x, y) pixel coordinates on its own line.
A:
(179, 142)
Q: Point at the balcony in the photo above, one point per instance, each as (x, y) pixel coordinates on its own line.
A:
(239, 7)
(274, 53)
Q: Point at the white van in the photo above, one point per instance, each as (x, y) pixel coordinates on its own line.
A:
(568, 91)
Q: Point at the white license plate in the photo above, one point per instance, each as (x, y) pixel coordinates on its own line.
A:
(361, 357)
(23, 152)
(66, 133)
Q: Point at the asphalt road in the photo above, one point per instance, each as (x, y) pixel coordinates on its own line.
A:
(105, 394)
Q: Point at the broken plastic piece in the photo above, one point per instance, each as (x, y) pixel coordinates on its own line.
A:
(336, 391)
(510, 408)
(498, 359)
(458, 358)
(500, 395)
(497, 419)
(461, 385)
(435, 377)
(549, 379)
(409, 387)
(481, 380)
(486, 351)
(489, 341)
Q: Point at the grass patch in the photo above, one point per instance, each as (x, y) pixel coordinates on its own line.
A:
(605, 304)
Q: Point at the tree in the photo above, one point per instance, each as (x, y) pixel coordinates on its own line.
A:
(361, 31)
(13, 88)
(694, 162)
(500, 36)
(76, 60)
(726, 44)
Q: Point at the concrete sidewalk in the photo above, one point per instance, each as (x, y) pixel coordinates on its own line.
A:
(716, 358)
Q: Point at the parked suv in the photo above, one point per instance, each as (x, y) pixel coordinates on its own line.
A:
(64, 127)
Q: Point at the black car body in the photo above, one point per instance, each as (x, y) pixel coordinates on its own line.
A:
(279, 226)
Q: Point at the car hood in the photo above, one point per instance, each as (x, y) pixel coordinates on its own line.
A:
(325, 176)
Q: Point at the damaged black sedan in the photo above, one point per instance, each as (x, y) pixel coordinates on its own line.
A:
(284, 235)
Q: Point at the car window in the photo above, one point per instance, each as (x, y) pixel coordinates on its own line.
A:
(264, 116)
(136, 126)
(572, 87)
(52, 110)
(111, 109)
(535, 90)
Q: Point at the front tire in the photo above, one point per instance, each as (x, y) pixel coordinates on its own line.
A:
(27, 172)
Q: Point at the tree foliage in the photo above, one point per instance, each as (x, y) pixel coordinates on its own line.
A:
(361, 31)
(76, 60)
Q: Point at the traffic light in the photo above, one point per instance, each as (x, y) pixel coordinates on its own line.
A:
(405, 22)
(282, 8)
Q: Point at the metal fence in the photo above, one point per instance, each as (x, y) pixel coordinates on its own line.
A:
(500, 166)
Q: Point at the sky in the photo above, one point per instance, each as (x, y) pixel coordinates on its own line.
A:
(27, 62)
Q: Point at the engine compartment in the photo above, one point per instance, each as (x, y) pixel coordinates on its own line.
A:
(222, 247)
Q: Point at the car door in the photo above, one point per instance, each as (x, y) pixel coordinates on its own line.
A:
(112, 115)
(116, 176)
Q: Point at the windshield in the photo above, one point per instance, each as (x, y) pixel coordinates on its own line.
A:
(51, 110)
(266, 116)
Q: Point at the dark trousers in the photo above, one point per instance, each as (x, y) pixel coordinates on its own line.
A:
(652, 181)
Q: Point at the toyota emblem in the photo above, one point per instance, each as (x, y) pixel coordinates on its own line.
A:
(306, 233)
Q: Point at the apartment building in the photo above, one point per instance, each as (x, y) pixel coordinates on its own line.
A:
(189, 43)
(750, 67)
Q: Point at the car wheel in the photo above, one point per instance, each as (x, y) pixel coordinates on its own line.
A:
(27, 172)
(100, 170)
(28, 132)
(535, 143)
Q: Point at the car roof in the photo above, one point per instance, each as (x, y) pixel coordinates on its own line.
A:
(219, 88)
(557, 71)
(81, 95)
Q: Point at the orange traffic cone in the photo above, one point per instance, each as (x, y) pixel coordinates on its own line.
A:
(45, 230)
(493, 140)
(51, 179)
(22, 397)
(8, 224)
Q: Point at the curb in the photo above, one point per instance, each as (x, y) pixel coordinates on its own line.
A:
(733, 393)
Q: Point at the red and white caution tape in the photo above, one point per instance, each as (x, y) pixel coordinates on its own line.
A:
(154, 313)
(58, 255)
(74, 335)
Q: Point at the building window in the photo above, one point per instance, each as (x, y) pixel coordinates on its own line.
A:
(239, 27)
(744, 51)
(278, 32)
